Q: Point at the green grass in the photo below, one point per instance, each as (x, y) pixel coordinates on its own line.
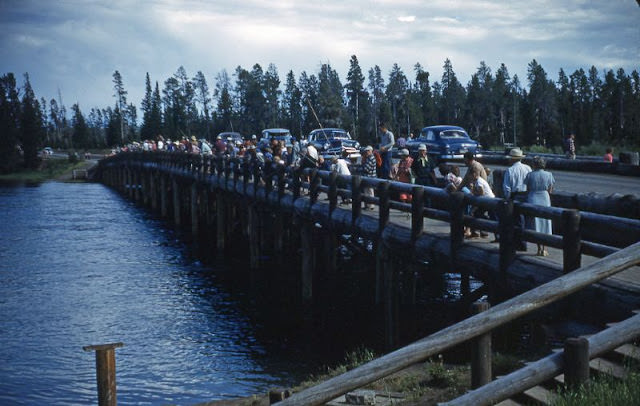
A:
(50, 169)
(604, 391)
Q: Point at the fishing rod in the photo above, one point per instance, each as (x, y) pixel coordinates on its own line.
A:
(316, 116)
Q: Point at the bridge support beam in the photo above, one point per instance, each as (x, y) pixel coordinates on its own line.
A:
(195, 217)
(254, 237)
(175, 188)
(164, 204)
(308, 260)
(221, 223)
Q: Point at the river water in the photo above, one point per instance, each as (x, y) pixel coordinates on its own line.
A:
(79, 265)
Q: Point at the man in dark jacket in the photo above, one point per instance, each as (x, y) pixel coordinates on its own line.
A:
(423, 168)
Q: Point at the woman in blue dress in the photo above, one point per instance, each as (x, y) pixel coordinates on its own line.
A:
(539, 185)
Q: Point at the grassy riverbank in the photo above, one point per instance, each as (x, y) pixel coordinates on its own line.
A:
(50, 169)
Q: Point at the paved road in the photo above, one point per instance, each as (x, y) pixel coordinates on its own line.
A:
(584, 182)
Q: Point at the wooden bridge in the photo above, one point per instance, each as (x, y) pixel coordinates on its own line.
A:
(287, 211)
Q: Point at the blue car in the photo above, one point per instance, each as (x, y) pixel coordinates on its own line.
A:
(445, 142)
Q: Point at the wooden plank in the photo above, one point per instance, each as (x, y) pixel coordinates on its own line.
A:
(604, 366)
(470, 328)
(540, 395)
(508, 402)
(629, 351)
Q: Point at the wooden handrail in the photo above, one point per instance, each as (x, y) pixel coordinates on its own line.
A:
(587, 235)
(548, 367)
(469, 328)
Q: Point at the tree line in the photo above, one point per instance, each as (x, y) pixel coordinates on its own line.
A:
(495, 108)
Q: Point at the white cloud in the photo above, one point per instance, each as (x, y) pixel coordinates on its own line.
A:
(77, 45)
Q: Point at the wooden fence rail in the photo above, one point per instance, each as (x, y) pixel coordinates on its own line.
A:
(469, 328)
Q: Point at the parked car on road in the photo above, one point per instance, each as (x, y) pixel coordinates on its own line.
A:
(333, 141)
(47, 151)
(235, 136)
(270, 134)
(445, 142)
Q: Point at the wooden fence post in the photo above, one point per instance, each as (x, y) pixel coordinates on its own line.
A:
(308, 260)
(333, 192)
(314, 187)
(383, 220)
(481, 352)
(356, 199)
(417, 217)
(571, 240)
(506, 234)
(576, 362)
(164, 204)
(105, 372)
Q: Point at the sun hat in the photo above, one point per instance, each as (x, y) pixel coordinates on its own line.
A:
(516, 153)
(404, 152)
(422, 147)
(368, 148)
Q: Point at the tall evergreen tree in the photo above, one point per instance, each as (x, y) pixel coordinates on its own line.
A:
(272, 93)
(453, 95)
(357, 100)
(422, 89)
(542, 113)
(503, 100)
(203, 99)
(292, 105)
(395, 94)
(9, 123)
(309, 88)
(330, 97)
(380, 108)
(121, 102)
(31, 130)
(224, 103)
(146, 105)
(80, 135)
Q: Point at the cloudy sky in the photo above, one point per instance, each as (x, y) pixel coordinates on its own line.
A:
(74, 46)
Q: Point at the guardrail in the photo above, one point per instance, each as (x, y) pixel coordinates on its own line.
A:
(577, 232)
(468, 329)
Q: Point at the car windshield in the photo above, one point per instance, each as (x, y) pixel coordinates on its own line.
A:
(453, 134)
(333, 134)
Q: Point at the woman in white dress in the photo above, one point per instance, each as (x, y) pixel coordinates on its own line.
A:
(539, 186)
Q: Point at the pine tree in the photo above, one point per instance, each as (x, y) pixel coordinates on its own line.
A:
(357, 99)
(121, 102)
(31, 130)
(9, 124)
(80, 135)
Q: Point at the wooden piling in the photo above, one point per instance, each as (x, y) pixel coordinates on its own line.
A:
(195, 218)
(105, 372)
(254, 237)
(480, 352)
(164, 203)
(221, 223)
(308, 260)
(176, 202)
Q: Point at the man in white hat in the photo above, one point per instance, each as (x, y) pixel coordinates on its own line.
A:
(513, 180)
(513, 186)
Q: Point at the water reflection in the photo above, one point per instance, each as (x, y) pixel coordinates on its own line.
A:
(80, 266)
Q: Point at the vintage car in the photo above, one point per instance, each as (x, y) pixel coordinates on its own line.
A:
(270, 134)
(236, 137)
(444, 142)
(333, 141)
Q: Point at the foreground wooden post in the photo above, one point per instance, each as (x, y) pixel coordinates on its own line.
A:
(507, 235)
(576, 362)
(417, 206)
(105, 372)
(481, 352)
(571, 245)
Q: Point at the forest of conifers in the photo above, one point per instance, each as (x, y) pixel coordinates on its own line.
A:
(495, 108)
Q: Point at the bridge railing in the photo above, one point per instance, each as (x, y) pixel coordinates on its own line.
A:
(576, 233)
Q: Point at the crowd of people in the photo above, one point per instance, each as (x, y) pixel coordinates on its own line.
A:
(520, 182)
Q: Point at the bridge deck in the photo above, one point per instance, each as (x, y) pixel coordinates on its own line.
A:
(627, 280)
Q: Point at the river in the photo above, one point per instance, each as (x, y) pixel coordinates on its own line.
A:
(79, 265)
